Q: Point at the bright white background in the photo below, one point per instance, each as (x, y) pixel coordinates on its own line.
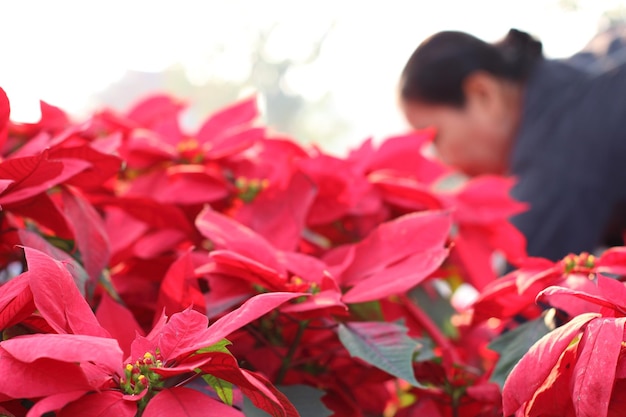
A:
(66, 51)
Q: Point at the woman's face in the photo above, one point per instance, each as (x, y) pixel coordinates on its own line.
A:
(464, 140)
(475, 138)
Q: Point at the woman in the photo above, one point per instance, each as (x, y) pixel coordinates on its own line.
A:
(560, 129)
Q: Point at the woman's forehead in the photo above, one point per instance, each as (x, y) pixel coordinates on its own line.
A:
(422, 116)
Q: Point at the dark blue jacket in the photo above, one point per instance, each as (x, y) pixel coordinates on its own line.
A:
(570, 159)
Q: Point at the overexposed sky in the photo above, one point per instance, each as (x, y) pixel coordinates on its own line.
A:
(63, 51)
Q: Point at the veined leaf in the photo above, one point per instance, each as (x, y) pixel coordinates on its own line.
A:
(383, 345)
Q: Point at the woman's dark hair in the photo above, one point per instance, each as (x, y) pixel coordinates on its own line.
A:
(437, 69)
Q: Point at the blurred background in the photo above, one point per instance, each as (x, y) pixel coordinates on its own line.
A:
(325, 70)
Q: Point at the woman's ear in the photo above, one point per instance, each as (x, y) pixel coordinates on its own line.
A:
(483, 94)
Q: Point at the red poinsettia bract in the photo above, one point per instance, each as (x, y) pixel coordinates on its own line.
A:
(579, 368)
(79, 366)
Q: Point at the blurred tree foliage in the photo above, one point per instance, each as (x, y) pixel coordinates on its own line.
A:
(285, 109)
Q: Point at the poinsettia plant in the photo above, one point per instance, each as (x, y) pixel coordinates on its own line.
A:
(147, 270)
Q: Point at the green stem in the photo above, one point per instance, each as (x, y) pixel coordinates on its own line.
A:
(286, 363)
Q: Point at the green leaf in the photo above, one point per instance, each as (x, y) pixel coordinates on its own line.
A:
(224, 389)
(383, 345)
(369, 310)
(437, 306)
(514, 344)
(217, 347)
(306, 399)
(426, 351)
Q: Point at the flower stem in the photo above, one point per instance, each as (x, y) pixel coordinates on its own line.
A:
(449, 352)
(286, 363)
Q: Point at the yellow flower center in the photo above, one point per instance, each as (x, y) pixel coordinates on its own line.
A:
(140, 375)
(583, 263)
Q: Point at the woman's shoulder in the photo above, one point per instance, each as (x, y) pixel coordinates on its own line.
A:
(551, 85)
(573, 121)
(606, 50)
(559, 92)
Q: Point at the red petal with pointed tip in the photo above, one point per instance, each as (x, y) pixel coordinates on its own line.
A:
(553, 397)
(36, 241)
(53, 403)
(162, 216)
(4, 184)
(187, 331)
(30, 172)
(251, 310)
(52, 117)
(187, 402)
(534, 367)
(336, 181)
(594, 372)
(119, 322)
(100, 404)
(397, 278)
(152, 109)
(152, 244)
(89, 232)
(279, 214)
(473, 252)
(46, 213)
(183, 185)
(39, 379)
(227, 233)
(179, 289)
(260, 391)
(613, 260)
(244, 268)
(405, 154)
(232, 144)
(233, 116)
(102, 166)
(396, 240)
(485, 199)
(605, 300)
(57, 298)
(405, 192)
(16, 301)
(183, 334)
(66, 348)
(192, 184)
(36, 174)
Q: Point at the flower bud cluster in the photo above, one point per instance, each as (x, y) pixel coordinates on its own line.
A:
(140, 375)
(583, 263)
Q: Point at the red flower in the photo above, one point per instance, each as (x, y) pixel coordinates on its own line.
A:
(515, 293)
(577, 369)
(243, 259)
(81, 364)
(226, 132)
(394, 258)
(481, 209)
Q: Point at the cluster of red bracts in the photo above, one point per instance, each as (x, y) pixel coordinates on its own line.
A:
(124, 236)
